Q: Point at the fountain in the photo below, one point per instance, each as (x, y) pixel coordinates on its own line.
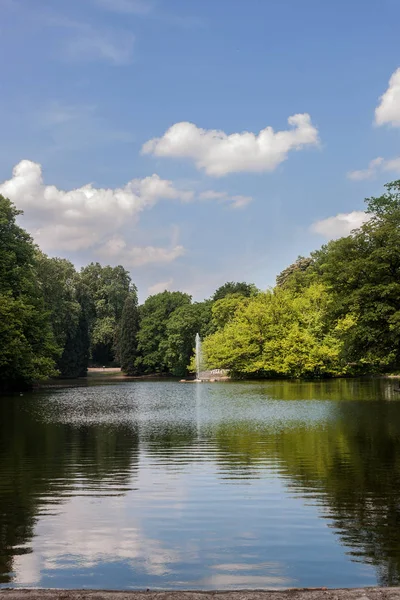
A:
(198, 357)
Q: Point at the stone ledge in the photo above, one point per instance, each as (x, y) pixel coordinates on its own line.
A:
(291, 594)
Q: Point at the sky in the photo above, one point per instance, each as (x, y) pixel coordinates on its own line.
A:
(196, 141)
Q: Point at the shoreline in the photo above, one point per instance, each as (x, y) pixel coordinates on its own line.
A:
(370, 593)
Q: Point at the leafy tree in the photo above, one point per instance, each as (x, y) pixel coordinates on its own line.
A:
(28, 349)
(16, 253)
(231, 287)
(224, 310)
(277, 333)
(362, 271)
(155, 314)
(296, 275)
(67, 305)
(128, 335)
(108, 287)
(181, 329)
(75, 357)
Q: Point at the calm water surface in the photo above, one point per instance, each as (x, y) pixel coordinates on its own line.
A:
(166, 485)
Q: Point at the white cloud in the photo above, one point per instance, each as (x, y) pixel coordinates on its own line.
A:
(388, 111)
(218, 153)
(90, 45)
(367, 173)
(392, 165)
(340, 225)
(118, 251)
(89, 217)
(160, 287)
(376, 166)
(233, 201)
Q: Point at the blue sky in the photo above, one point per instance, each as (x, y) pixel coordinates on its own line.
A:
(108, 92)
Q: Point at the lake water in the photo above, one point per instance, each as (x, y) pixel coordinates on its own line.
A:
(211, 486)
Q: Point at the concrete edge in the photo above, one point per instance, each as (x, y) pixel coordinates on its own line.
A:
(373, 593)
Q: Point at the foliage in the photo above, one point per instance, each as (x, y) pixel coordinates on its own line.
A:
(335, 312)
(128, 335)
(232, 287)
(363, 274)
(68, 308)
(28, 348)
(108, 288)
(224, 310)
(16, 253)
(296, 275)
(277, 333)
(155, 314)
(181, 330)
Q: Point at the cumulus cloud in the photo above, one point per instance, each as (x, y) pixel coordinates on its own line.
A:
(392, 165)
(89, 217)
(218, 153)
(118, 251)
(233, 201)
(376, 166)
(340, 225)
(160, 287)
(388, 110)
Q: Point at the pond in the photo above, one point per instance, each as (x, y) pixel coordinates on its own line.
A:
(136, 485)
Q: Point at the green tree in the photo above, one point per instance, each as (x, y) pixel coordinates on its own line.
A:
(108, 288)
(68, 306)
(362, 272)
(181, 329)
(234, 287)
(224, 310)
(279, 333)
(155, 314)
(296, 275)
(75, 357)
(128, 335)
(28, 348)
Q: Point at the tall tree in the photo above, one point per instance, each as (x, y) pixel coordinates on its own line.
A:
(108, 287)
(28, 348)
(155, 314)
(181, 329)
(128, 335)
(363, 274)
(69, 311)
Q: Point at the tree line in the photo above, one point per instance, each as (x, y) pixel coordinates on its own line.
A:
(336, 312)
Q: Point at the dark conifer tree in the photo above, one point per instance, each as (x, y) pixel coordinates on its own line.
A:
(127, 335)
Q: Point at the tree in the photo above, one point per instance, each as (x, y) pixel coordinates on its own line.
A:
(69, 312)
(128, 335)
(75, 357)
(28, 348)
(224, 310)
(362, 272)
(296, 275)
(108, 288)
(279, 333)
(155, 314)
(232, 287)
(181, 329)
